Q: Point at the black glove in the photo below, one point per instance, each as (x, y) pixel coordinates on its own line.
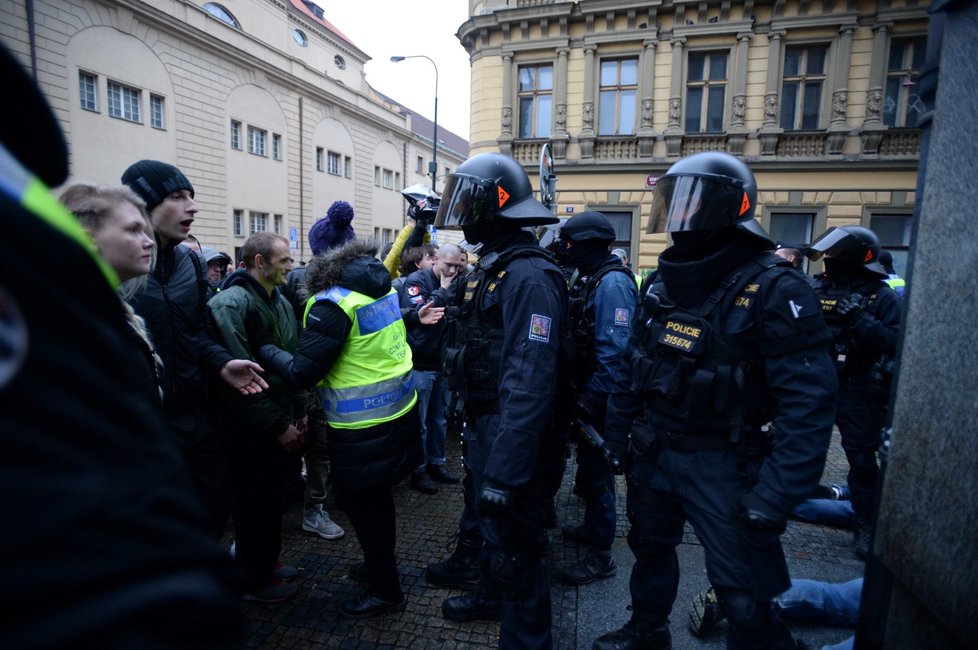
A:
(495, 499)
(753, 513)
(850, 309)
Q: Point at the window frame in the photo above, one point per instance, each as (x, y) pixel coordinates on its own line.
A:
(257, 145)
(236, 135)
(618, 90)
(135, 107)
(387, 178)
(803, 78)
(161, 124)
(320, 159)
(276, 146)
(237, 222)
(333, 162)
(535, 95)
(221, 13)
(347, 166)
(900, 251)
(907, 74)
(84, 93)
(254, 218)
(707, 85)
(277, 224)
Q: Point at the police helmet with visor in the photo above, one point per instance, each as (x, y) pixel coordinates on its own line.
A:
(490, 187)
(706, 191)
(588, 225)
(851, 245)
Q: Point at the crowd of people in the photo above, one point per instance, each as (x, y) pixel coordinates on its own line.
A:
(713, 384)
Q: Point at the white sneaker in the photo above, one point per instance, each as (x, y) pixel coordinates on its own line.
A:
(316, 520)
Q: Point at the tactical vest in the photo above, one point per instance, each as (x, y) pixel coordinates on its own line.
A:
(693, 377)
(581, 317)
(371, 382)
(845, 349)
(475, 360)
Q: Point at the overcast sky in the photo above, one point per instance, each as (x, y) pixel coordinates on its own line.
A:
(384, 28)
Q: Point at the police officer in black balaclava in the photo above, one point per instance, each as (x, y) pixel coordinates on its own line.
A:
(602, 303)
(727, 339)
(863, 313)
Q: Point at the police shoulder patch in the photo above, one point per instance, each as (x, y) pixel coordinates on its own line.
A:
(413, 290)
(804, 306)
(621, 317)
(540, 328)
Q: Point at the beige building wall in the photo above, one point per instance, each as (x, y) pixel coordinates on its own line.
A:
(849, 167)
(208, 75)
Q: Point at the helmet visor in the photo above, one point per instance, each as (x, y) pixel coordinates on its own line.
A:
(831, 243)
(696, 202)
(466, 200)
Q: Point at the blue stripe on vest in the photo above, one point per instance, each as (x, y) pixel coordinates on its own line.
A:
(374, 401)
(336, 294)
(378, 314)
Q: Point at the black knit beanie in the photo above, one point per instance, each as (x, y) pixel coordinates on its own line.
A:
(154, 180)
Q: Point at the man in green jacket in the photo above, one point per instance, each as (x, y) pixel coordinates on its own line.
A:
(263, 429)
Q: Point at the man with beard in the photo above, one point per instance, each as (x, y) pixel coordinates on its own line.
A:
(863, 313)
(727, 339)
(508, 330)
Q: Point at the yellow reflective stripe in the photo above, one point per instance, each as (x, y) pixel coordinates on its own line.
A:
(37, 198)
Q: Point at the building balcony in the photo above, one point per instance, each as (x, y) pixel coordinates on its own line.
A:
(900, 143)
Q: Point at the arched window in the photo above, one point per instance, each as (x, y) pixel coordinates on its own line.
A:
(222, 14)
(300, 37)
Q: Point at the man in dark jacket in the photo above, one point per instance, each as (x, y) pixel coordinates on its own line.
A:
(172, 304)
(421, 288)
(354, 348)
(265, 428)
(104, 543)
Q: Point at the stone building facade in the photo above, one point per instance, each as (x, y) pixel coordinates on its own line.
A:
(818, 97)
(262, 103)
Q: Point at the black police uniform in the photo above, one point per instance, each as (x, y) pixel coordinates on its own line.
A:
(508, 331)
(859, 350)
(722, 346)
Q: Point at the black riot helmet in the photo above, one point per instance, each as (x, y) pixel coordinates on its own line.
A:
(706, 191)
(487, 188)
(588, 225)
(852, 246)
(422, 202)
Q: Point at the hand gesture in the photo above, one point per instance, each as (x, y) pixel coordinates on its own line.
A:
(244, 376)
(428, 314)
(292, 439)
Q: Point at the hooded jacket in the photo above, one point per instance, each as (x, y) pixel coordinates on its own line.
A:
(242, 317)
(375, 456)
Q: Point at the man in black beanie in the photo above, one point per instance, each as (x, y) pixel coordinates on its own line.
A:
(172, 304)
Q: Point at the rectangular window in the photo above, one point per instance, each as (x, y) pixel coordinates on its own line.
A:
(235, 134)
(801, 86)
(277, 224)
(347, 167)
(237, 223)
(397, 180)
(156, 107)
(893, 229)
(420, 167)
(319, 159)
(902, 105)
(377, 176)
(616, 99)
(706, 87)
(259, 222)
(333, 163)
(124, 102)
(388, 179)
(276, 146)
(256, 141)
(536, 87)
(88, 90)
(376, 234)
(792, 227)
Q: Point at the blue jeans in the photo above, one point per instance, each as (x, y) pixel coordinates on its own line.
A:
(430, 385)
(826, 603)
(827, 512)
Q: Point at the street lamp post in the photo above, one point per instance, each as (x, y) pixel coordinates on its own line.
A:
(433, 165)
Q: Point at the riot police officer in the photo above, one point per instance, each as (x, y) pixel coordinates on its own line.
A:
(509, 325)
(863, 313)
(727, 339)
(601, 305)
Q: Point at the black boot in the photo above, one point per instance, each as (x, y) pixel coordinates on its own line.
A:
(472, 607)
(635, 636)
(596, 565)
(460, 570)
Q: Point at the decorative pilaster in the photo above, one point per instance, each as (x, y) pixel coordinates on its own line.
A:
(737, 132)
(505, 139)
(873, 128)
(839, 128)
(586, 137)
(560, 137)
(673, 134)
(770, 131)
(646, 131)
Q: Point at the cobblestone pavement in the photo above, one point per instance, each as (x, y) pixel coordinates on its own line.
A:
(425, 525)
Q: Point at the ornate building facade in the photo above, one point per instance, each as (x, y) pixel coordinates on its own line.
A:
(819, 98)
(262, 103)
